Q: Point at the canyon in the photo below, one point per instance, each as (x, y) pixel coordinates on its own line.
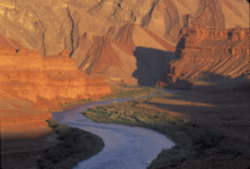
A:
(110, 37)
(62, 51)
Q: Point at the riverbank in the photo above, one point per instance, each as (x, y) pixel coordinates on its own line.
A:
(119, 91)
(75, 145)
(125, 146)
(68, 158)
(193, 120)
(24, 153)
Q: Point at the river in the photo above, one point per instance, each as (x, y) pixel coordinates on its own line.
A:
(125, 147)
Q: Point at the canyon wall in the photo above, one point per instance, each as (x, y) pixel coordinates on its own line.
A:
(31, 24)
(209, 55)
(217, 41)
(91, 30)
(31, 83)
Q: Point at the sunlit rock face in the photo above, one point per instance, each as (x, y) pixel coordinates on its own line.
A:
(111, 31)
(31, 75)
(31, 83)
(204, 53)
(32, 20)
(19, 119)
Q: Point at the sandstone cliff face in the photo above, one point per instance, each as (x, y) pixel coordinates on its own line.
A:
(31, 83)
(19, 119)
(33, 75)
(205, 53)
(88, 28)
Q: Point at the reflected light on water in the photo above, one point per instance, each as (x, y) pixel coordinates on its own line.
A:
(125, 147)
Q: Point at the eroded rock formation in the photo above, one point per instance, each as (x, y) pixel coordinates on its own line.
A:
(91, 29)
(209, 55)
(36, 28)
(131, 54)
(31, 83)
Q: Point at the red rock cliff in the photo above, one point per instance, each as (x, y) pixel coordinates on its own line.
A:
(29, 81)
(205, 52)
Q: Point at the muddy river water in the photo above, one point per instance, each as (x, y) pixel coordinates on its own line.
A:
(125, 147)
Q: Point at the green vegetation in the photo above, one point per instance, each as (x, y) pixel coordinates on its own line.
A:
(193, 141)
(75, 145)
(63, 105)
(123, 91)
(126, 91)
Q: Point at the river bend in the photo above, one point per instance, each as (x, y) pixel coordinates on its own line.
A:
(125, 147)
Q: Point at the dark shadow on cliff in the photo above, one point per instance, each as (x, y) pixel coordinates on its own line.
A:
(180, 46)
(168, 78)
(152, 64)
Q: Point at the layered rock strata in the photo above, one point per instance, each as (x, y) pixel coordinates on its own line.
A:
(30, 22)
(88, 28)
(31, 83)
(209, 55)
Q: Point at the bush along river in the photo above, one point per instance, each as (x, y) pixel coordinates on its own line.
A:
(125, 147)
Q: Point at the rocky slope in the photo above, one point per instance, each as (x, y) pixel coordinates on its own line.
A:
(31, 83)
(129, 55)
(209, 56)
(4, 41)
(91, 30)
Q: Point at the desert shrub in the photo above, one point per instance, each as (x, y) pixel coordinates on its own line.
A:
(192, 140)
(132, 91)
(206, 139)
(52, 123)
